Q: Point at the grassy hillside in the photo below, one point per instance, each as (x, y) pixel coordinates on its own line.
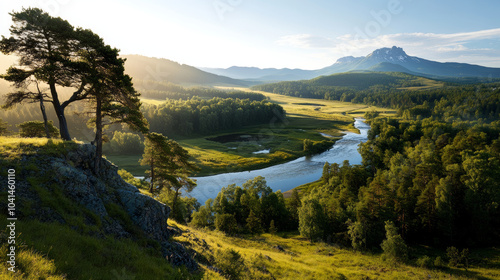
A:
(57, 237)
(290, 256)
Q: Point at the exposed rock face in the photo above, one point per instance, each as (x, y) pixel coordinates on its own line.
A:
(71, 176)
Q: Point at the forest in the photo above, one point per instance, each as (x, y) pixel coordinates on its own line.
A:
(198, 116)
(433, 171)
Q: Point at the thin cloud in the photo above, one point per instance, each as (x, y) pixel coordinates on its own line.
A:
(444, 47)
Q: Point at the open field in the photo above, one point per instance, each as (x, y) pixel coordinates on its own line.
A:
(306, 119)
(300, 259)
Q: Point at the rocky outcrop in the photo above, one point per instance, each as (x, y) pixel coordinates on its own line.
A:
(45, 182)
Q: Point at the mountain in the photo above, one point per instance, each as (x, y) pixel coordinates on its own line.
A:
(392, 59)
(164, 70)
(265, 74)
(384, 57)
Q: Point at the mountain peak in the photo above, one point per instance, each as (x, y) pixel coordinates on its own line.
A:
(389, 54)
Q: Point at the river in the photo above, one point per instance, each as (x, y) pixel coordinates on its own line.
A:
(292, 174)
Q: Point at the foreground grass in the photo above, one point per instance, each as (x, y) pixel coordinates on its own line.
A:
(304, 260)
(55, 250)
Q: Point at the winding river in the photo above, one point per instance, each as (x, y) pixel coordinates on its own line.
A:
(288, 175)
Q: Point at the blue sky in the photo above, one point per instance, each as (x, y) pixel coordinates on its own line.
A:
(293, 33)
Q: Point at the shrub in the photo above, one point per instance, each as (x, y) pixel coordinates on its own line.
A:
(438, 262)
(424, 262)
(457, 258)
(204, 217)
(231, 263)
(357, 234)
(3, 127)
(33, 129)
(394, 246)
(453, 256)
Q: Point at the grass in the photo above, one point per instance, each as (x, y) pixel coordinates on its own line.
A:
(55, 251)
(304, 260)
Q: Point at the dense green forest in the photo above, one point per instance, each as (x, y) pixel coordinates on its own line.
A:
(433, 171)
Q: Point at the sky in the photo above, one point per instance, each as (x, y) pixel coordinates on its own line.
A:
(306, 34)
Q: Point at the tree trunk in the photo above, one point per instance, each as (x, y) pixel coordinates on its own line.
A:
(174, 203)
(98, 136)
(151, 183)
(44, 114)
(63, 125)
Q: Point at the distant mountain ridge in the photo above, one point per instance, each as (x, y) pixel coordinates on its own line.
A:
(164, 70)
(392, 59)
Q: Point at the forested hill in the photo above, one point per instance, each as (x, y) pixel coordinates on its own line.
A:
(164, 70)
(349, 82)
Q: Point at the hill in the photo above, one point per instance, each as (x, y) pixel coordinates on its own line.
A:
(350, 82)
(164, 70)
(385, 60)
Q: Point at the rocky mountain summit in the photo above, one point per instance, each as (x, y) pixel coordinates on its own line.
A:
(60, 187)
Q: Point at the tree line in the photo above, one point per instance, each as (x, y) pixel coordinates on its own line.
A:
(200, 116)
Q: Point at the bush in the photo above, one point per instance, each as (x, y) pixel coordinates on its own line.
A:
(457, 258)
(33, 129)
(424, 262)
(395, 249)
(438, 262)
(204, 217)
(357, 234)
(3, 127)
(231, 263)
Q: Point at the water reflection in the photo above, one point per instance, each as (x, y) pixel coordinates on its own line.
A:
(289, 175)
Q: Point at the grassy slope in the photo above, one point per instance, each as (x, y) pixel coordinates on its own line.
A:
(304, 260)
(57, 251)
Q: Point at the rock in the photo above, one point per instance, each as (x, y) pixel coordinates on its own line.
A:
(279, 248)
(150, 215)
(176, 254)
(72, 174)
